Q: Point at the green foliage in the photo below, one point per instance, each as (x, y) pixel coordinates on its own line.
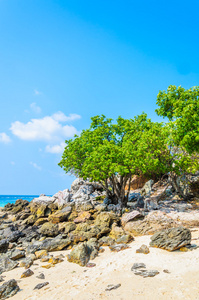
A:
(114, 152)
(181, 107)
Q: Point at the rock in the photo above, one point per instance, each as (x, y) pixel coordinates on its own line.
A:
(116, 231)
(143, 249)
(41, 221)
(1, 279)
(147, 188)
(26, 263)
(16, 254)
(90, 265)
(60, 216)
(145, 273)
(133, 215)
(118, 247)
(27, 273)
(153, 222)
(80, 255)
(40, 285)
(41, 253)
(106, 219)
(7, 264)
(49, 229)
(62, 197)
(106, 241)
(68, 227)
(150, 204)
(82, 195)
(185, 218)
(15, 235)
(82, 217)
(8, 289)
(49, 244)
(138, 266)
(171, 239)
(41, 276)
(4, 246)
(125, 239)
(112, 287)
(43, 199)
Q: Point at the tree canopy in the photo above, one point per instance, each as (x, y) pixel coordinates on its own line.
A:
(110, 153)
(181, 107)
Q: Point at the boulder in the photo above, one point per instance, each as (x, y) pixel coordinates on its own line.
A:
(8, 289)
(26, 263)
(82, 217)
(16, 254)
(60, 216)
(62, 197)
(80, 254)
(147, 188)
(153, 222)
(7, 264)
(49, 244)
(171, 239)
(49, 229)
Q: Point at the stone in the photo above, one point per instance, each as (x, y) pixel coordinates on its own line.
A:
(41, 253)
(26, 263)
(133, 215)
(106, 241)
(153, 222)
(4, 246)
(150, 204)
(62, 197)
(82, 217)
(171, 239)
(7, 264)
(143, 249)
(145, 273)
(49, 244)
(147, 188)
(16, 254)
(41, 276)
(125, 239)
(41, 221)
(15, 235)
(79, 255)
(27, 273)
(69, 226)
(116, 231)
(60, 216)
(8, 289)
(118, 247)
(187, 219)
(1, 279)
(40, 285)
(138, 266)
(106, 219)
(112, 287)
(49, 229)
(90, 265)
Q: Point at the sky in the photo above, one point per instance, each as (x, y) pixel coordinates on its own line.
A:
(62, 62)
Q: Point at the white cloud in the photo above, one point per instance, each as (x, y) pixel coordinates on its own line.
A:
(35, 166)
(47, 129)
(60, 116)
(4, 138)
(37, 93)
(56, 148)
(35, 108)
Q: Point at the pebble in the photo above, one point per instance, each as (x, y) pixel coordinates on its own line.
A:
(40, 285)
(112, 287)
(41, 276)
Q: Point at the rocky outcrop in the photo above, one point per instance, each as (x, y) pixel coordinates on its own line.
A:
(171, 239)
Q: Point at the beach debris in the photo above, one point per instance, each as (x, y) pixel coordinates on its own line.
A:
(166, 271)
(145, 273)
(8, 289)
(112, 287)
(138, 266)
(27, 273)
(143, 249)
(40, 285)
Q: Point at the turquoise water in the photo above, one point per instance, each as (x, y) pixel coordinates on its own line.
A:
(4, 199)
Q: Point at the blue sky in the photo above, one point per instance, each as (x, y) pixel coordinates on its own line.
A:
(62, 62)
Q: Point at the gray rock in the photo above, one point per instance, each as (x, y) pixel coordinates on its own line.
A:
(171, 239)
(118, 247)
(7, 264)
(147, 188)
(138, 266)
(49, 244)
(145, 273)
(143, 249)
(40, 285)
(4, 246)
(1, 279)
(16, 254)
(26, 263)
(112, 287)
(41, 276)
(8, 289)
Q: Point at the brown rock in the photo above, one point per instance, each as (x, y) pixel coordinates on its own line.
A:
(143, 249)
(82, 217)
(130, 217)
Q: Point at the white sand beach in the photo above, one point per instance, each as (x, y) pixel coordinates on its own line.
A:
(69, 281)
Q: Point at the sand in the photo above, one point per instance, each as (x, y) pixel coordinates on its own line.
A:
(69, 281)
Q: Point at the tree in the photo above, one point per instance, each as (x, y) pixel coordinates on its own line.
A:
(110, 153)
(181, 107)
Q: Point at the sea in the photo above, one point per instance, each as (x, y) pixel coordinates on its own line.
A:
(4, 199)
